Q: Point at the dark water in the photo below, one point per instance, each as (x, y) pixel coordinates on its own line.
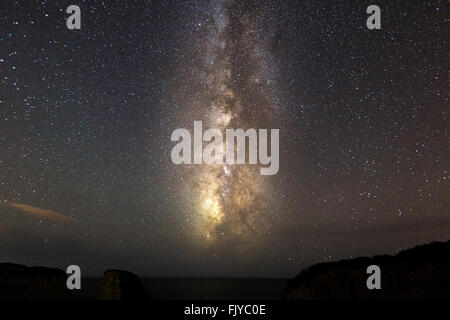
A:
(200, 288)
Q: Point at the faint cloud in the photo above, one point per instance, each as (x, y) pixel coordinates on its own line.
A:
(41, 213)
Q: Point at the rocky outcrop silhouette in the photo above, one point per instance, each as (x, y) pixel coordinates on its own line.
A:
(420, 273)
(121, 285)
(32, 283)
(19, 282)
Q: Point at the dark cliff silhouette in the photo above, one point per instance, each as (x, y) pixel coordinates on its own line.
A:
(32, 283)
(420, 273)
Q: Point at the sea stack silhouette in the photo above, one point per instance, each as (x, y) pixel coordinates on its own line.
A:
(121, 285)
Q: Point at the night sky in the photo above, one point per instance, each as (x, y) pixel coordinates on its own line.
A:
(86, 118)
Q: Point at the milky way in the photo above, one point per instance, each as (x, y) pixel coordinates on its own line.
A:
(230, 202)
(86, 118)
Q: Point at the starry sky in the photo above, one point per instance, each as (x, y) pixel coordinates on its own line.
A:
(86, 118)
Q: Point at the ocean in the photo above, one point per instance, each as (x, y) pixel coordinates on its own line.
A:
(199, 288)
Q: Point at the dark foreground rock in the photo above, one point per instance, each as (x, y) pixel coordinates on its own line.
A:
(121, 285)
(419, 273)
(32, 283)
